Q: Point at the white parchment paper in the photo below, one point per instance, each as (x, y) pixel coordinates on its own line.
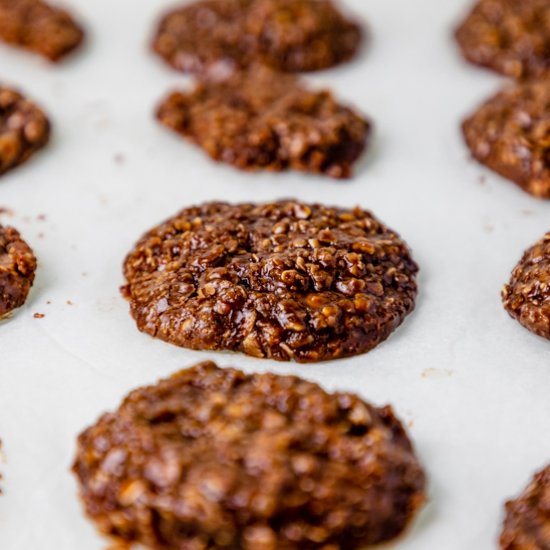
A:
(471, 383)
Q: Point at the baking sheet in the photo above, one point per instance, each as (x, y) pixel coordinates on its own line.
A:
(470, 382)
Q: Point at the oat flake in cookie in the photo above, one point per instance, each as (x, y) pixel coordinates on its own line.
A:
(213, 458)
(527, 296)
(260, 119)
(17, 267)
(24, 129)
(39, 27)
(508, 36)
(288, 35)
(527, 522)
(284, 280)
(510, 134)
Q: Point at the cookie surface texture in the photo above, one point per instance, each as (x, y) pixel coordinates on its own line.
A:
(24, 129)
(509, 134)
(508, 36)
(285, 280)
(214, 458)
(262, 120)
(39, 27)
(527, 296)
(17, 268)
(210, 36)
(527, 522)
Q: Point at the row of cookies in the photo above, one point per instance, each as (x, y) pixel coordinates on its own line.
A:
(510, 134)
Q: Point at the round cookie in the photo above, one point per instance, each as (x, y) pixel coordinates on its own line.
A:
(284, 280)
(508, 36)
(527, 522)
(259, 119)
(214, 458)
(39, 27)
(24, 129)
(17, 267)
(509, 134)
(289, 35)
(527, 296)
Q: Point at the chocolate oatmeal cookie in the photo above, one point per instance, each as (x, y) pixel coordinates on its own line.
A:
(260, 119)
(213, 458)
(284, 280)
(288, 35)
(17, 267)
(24, 129)
(39, 27)
(510, 134)
(527, 523)
(511, 37)
(527, 296)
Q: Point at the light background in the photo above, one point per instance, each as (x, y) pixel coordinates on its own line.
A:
(471, 383)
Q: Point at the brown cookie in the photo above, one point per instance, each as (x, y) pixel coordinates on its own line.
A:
(527, 522)
(509, 134)
(508, 36)
(288, 35)
(285, 280)
(527, 296)
(213, 458)
(17, 267)
(39, 27)
(260, 119)
(24, 129)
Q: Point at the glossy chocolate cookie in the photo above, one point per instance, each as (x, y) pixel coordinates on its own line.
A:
(213, 36)
(511, 37)
(216, 459)
(510, 132)
(24, 129)
(285, 280)
(17, 267)
(527, 296)
(527, 523)
(263, 120)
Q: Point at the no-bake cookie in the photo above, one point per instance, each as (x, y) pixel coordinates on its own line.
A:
(527, 296)
(24, 129)
(510, 134)
(288, 35)
(527, 523)
(214, 458)
(511, 37)
(39, 27)
(285, 280)
(260, 119)
(17, 267)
